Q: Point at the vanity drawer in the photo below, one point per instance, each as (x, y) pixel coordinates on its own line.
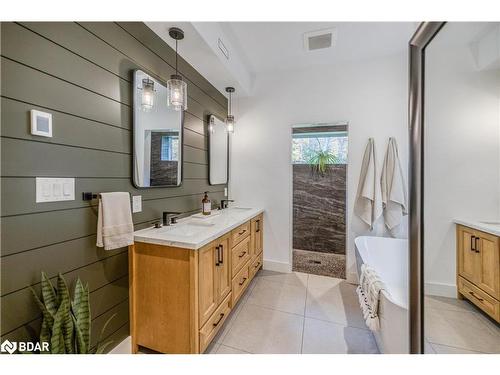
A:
(238, 234)
(214, 323)
(240, 282)
(254, 267)
(240, 254)
(479, 298)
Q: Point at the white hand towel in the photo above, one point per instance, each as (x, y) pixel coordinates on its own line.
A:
(114, 221)
(368, 291)
(368, 204)
(392, 184)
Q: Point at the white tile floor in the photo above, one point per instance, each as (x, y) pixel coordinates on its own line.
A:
(300, 313)
(455, 326)
(296, 313)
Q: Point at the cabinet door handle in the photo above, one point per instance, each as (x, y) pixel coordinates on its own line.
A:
(258, 226)
(476, 244)
(476, 297)
(242, 254)
(218, 321)
(217, 262)
(243, 231)
(472, 242)
(257, 265)
(221, 249)
(243, 281)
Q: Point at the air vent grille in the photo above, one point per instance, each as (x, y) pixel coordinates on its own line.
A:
(319, 39)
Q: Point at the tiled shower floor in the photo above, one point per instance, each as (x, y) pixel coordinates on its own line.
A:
(316, 263)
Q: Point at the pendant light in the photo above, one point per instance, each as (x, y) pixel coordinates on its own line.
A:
(230, 117)
(148, 94)
(176, 87)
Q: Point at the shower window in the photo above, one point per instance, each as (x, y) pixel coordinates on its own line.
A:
(306, 145)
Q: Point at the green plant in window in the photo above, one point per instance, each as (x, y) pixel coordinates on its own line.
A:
(320, 158)
(66, 322)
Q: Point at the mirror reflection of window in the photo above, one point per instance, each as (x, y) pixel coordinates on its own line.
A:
(169, 145)
(157, 135)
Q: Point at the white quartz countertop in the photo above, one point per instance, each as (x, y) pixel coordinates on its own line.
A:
(488, 226)
(195, 232)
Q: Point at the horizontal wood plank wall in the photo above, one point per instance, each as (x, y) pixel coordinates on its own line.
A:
(82, 74)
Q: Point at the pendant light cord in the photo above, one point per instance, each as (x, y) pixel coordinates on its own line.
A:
(229, 103)
(176, 54)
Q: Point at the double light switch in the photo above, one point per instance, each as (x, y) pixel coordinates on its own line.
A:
(54, 189)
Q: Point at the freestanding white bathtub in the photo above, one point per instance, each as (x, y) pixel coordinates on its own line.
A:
(389, 257)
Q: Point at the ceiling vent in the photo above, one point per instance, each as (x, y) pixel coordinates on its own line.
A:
(320, 39)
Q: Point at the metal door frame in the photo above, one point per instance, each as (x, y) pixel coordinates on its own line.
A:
(420, 40)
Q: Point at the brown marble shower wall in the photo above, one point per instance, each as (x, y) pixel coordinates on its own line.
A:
(319, 209)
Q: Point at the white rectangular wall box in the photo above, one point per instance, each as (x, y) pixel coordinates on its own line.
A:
(41, 123)
(50, 189)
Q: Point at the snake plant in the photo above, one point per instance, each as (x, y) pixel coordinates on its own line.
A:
(66, 322)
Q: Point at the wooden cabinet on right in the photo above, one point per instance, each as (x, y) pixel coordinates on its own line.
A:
(478, 269)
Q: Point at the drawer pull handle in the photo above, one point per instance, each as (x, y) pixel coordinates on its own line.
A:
(243, 231)
(476, 297)
(243, 281)
(242, 254)
(257, 265)
(218, 321)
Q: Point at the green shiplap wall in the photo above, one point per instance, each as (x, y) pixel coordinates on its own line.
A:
(82, 74)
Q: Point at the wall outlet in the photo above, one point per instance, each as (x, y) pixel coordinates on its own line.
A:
(136, 203)
(54, 189)
(225, 191)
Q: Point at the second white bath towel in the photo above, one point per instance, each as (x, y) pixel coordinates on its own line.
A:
(368, 204)
(114, 221)
(394, 195)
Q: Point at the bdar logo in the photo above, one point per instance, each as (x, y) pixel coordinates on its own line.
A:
(9, 347)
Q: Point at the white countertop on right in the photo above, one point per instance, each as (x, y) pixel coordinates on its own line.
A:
(488, 226)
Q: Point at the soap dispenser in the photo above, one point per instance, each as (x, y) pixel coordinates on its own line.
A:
(206, 205)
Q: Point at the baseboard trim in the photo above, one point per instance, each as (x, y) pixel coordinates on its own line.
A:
(272, 265)
(124, 347)
(441, 290)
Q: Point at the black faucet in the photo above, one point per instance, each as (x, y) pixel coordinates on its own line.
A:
(224, 202)
(170, 217)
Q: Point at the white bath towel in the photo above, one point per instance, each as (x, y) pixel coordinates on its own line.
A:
(392, 184)
(114, 221)
(368, 291)
(368, 204)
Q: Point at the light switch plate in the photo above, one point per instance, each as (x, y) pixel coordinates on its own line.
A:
(136, 203)
(49, 189)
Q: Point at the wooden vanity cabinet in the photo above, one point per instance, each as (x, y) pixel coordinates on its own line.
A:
(478, 269)
(214, 275)
(180, 298)
(256, 235)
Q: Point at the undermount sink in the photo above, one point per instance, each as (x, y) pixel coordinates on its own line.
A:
(187, 229)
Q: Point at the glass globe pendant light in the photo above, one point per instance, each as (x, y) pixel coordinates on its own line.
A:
(230, 117)
(148, 94)
(176, 87)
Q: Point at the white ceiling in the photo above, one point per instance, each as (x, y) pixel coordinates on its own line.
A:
(271, 46)
(263, 47)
